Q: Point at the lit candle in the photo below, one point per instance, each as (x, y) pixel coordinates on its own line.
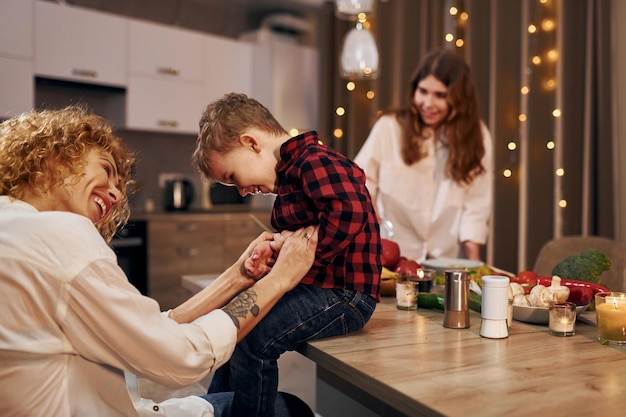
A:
(406, 295)
(611, 317)
(562, 319)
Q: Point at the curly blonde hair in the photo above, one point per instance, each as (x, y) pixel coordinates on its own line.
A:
(33, 145)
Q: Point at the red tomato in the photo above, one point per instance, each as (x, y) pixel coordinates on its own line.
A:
(528, 278)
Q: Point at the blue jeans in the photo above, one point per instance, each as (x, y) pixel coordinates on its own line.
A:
(305, 313)
(286, 405)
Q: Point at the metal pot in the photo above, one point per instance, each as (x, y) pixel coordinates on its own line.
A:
(179, 195)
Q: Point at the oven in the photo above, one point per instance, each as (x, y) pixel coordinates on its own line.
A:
(131, 247)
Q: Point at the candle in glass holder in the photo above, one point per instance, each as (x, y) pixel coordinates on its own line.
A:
(562, 317)
(406, 294)
(611, 317)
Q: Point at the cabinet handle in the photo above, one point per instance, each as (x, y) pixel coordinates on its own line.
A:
(168, 70)
(188, 227)
(84, 73)
(167, 123)
(187, 252)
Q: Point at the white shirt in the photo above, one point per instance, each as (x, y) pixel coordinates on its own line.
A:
(431, 214)
(71, 324)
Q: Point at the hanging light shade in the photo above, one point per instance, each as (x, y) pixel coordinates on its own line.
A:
(350, 8)
(359, 55)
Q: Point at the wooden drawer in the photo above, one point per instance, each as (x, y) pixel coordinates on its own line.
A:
(240, 230)
(178, 247)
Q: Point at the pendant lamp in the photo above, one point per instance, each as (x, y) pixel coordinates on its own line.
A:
(359, 54)
(351, 8)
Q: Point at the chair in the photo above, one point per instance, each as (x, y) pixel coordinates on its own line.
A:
(557, 249)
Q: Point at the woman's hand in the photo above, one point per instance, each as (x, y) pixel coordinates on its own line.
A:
(296, 255)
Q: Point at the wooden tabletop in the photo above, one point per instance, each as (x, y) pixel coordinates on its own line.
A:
(405, 363)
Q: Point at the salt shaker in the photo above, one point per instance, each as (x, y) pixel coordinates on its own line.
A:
(456, 310)
(495, 307)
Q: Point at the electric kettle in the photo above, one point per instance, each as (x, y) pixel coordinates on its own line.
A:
(179, 194)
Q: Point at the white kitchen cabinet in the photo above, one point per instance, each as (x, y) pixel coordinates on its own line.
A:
(16, 57)
(76, 44)
(166, 78)
(229, 67)
(285, 78)
(16, 28)
(16, 86)
(167, 106)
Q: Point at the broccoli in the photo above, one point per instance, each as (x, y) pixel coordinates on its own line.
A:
(585, 266)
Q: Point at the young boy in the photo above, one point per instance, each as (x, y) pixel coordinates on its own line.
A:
(241, 144)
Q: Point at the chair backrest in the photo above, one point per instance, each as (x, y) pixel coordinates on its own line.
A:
(557, 249)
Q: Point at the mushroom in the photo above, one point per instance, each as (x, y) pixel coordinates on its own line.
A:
(560, 293)
(540, 296)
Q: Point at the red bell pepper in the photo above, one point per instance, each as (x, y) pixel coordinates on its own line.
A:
(596, 288)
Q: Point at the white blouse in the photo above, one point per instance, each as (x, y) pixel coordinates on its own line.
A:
(71, 324)
(431, 214)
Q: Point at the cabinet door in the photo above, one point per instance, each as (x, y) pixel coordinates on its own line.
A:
(160, 105)
(166, 82)
(76, 44)
(228, 67)
(16, 85)
(165, 53)
(181, 247)
(16, 28)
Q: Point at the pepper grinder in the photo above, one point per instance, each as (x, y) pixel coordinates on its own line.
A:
(495, 307)
(456, 310)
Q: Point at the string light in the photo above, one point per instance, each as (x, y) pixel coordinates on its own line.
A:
(340, 111)
(370, 94)
(556, 113)
(512, 146)
(350, 86)
(548, 25)
(507, 173)
(338, 133)
(560, 172)
(550, 145)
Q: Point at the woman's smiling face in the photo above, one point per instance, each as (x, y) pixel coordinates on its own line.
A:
(431, 99)
(93, 192)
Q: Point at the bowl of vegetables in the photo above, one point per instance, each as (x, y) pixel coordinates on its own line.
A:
(533, 294)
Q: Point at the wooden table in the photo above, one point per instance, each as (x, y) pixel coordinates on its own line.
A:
(405, 363)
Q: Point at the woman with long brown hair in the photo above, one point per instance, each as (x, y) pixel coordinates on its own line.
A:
(429, 164)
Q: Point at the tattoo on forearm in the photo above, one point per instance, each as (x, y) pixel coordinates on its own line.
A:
(241, 305)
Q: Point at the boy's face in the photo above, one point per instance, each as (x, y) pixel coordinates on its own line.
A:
(251, 169)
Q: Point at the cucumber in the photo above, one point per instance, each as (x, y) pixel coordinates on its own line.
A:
(435, 301)
(474, 301)
(430, 301)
